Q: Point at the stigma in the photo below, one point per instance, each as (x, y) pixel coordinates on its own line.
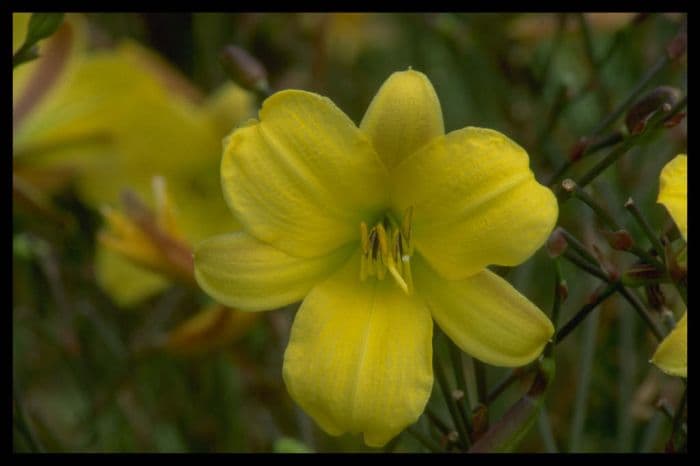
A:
(387, 248)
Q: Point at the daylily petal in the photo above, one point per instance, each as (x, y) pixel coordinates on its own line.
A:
(403, 116)
(303, 177)
(239, 271)
(673, 191)
(672, 354)
(485, 316)
(475, 202)
(359, 356)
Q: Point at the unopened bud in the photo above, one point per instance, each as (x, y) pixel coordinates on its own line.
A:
(619, 240)
(661, 99)
(480, 421)
(556, 243)
(244, 69)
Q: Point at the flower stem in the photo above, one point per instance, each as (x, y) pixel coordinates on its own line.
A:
(583, 312)
(655, 123)
(450, 402)
(631, 299)
(507, 382)
(591, 269)
(577, 192)
(427, 442)
(583, 384)
(655, 242)
(545, 427)
(458, 367)
(559, 286)
(579, 247)
(437, 422)
(480, 376)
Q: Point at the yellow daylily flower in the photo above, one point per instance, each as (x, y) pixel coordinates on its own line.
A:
(671, 356)
(673, 191)
(379, 229)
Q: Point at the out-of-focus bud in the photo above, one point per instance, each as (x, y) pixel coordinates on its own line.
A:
(244, 69)
(212, 328)
(661, 99)
(619, 240)
(556, 243)
(149, 238)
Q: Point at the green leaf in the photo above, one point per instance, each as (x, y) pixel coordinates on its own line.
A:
(41, 26)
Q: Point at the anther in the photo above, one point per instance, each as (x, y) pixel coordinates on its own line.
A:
(388, 247)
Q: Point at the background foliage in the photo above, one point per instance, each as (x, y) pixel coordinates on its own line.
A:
(91, 374)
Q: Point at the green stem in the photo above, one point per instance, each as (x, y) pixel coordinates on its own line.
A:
(591, 269)
(579, 247)
(583, 312)
(545, 428)
(458, 367)
(643, 313)
(610, 140)
(641, 221)
(503, 385)
(583, 196)
(655, 122)
(634, 302)
(437, 422)
(450, 402)
(427, 442)
(583, 384)
(556, 304)
(480, 376)
(652, 73)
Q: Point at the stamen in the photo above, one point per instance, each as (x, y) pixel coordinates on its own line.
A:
(388, 247)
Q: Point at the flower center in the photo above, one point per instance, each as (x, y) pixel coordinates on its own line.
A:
(388, 247)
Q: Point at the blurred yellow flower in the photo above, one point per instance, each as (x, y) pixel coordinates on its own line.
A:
(380, 229)
(112, 119)
(672, 354)
(673, 191)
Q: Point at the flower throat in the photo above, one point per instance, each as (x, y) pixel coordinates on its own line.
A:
(388, 247)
